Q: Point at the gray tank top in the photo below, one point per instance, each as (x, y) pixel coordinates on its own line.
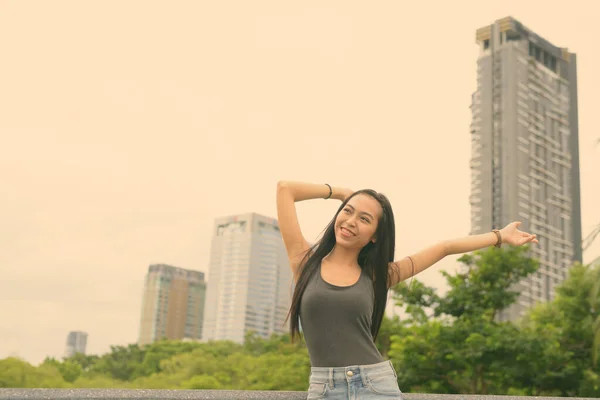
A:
(336, 322)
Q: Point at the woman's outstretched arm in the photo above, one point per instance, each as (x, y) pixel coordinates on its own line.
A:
(412, 265)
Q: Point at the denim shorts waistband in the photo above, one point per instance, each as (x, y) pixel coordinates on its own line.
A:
(353, 372)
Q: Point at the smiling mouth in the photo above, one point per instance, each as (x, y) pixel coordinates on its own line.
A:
(347, 231)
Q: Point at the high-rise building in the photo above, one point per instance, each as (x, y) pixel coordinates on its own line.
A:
(173, 304)
(525, 150)
(249, 279)
(76, 343)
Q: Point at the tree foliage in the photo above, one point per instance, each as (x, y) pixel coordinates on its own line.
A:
(460, 347)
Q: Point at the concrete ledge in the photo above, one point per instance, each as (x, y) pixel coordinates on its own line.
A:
(124, 394)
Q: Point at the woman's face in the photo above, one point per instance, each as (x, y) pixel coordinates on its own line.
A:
(356, 224)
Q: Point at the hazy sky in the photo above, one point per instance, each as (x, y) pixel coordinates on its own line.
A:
(126, 127)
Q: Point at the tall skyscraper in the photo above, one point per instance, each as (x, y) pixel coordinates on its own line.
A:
(525, 150)
(76, 343)
(173, 304)
(249, 279)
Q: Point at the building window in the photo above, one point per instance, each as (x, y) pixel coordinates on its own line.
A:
(543, 57)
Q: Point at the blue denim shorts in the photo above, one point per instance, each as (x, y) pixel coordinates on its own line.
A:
(360, 382)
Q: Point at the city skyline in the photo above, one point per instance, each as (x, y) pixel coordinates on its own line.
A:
(121, 146)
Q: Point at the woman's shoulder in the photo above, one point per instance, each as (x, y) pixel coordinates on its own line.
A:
(366, 275)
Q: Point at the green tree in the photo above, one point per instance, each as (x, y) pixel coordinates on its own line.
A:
(156, 352)
(461, 348)
(594, 300)
(86, 362)
(543, 365)
(389, 327)
(485, 286)
(202, 382)
(565, 333)
(69, 370)
(98, 381)
(123, 363)
(16, 373)
(574, 301)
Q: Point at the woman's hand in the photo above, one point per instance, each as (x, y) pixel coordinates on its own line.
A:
(513, 236)
(344, 193)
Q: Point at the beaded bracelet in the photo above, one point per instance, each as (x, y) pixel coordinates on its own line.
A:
(499, 242)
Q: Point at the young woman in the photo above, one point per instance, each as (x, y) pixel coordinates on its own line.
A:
(341, 285)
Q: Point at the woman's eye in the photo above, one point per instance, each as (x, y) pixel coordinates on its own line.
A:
(365, 219)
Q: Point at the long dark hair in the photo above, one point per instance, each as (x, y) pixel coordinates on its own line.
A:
(373, 259)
